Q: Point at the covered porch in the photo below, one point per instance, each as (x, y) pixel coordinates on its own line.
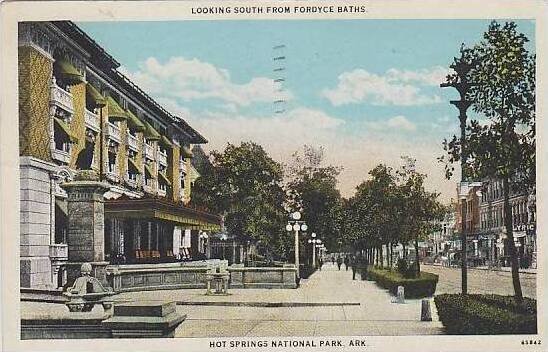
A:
(154, 230)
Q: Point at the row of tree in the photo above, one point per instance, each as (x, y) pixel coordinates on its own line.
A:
(255, 194)
(392, 207)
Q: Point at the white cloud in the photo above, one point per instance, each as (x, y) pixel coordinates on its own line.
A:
(397, 123)
(392, 88)
(192, 79)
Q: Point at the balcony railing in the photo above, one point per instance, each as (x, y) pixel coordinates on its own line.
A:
(162, 158)
(92, 120)
(60, 155)
(61, 98)
(113, 132)
(112, 176)
(58, 251)
(149, 188)
(162, 192)
(132, 142)
(182, 165)
(149, 152)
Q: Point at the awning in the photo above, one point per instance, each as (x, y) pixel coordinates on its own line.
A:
(161, 209)
(164, 178)
(115, 111)
(186, 152)
(94, 96)
(131, 163)
(150, 133)
(134, 122)
(166, 142)
(65, 129)
(150, 171)
(69, 72)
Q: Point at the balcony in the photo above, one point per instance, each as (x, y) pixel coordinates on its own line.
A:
(162, 158)
(162, 192)
(182, 165)
(132, 142)
(149, 188)
(61, 98)
(58, 251)
(113, 132)
(112, 176)
(92, 120)
(149, 152)
(61, 155)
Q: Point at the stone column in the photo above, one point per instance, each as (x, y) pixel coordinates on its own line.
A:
(86, 221)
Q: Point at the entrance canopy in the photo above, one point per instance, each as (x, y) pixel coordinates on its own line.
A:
(161, 209)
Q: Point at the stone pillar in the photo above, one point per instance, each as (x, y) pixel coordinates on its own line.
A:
(86, 221)
(37, 206)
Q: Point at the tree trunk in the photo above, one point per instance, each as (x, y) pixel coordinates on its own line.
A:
(381, 259)
(417, 256)
(510, 236)
(404, 251)
(389, 254)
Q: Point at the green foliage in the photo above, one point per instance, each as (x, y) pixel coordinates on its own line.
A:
(486, 314)
(423, 285)
(245, 185)
(311, 188)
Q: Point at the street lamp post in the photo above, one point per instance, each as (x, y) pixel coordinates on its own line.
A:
(296, 225)
(462, 66)
(313, 241)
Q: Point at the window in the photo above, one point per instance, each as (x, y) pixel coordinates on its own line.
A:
(111, 162)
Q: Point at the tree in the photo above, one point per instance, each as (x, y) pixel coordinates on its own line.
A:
(503, 146)
(311, 188)
(245, 185)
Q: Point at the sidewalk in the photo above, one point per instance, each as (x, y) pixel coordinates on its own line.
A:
(329, 303)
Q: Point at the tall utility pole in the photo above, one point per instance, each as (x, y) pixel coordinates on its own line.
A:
(279, 71)
(462, 66)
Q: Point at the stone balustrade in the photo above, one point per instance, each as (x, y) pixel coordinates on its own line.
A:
(132, 142)
(61, 98)
(92, 120)
(113, 132)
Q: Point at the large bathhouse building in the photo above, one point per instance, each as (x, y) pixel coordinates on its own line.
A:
(78, 115)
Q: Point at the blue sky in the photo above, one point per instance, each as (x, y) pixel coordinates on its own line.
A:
(367, 91)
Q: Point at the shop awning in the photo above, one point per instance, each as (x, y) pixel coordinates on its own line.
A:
(94, 96)
(69, 72)
(161, 209)
(164, 178)
(149, 170)
(150, 133)
(65, 129)
(186, 152)
(115, 111)
(166, 142)
(131, 163)
(134, 122)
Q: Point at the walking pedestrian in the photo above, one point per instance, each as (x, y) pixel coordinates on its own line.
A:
(333, 259)
(346, 262)
(339, 262)
(320, 263)
(353, 264)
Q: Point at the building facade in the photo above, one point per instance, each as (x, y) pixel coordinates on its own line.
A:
(77, 113)
(493, 231)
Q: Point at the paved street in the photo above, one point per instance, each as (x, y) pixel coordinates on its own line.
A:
(481, 281)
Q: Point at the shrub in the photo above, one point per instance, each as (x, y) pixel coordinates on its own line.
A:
(422, 286)
(486, 314)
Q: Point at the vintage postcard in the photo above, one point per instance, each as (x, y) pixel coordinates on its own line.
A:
(273, 175)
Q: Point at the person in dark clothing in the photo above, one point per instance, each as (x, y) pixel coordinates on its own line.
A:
(339, 262)
(346, 262)
(333, 259)
(320, 263)
(353, 264)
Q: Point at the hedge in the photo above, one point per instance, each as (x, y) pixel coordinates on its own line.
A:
(419, 287)
(486, 314)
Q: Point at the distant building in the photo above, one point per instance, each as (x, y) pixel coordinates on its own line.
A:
(78, 112)
(523, 222)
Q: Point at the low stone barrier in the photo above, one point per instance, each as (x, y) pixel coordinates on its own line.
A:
(141, 277)
(263, 277)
